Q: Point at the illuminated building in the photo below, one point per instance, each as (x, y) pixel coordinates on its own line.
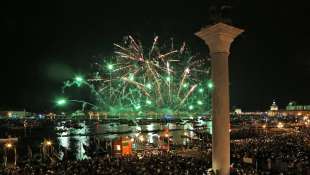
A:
(292, 106)
(14, 114)
(298, 110)
(238, 111)
(273, 109)
(292, 109)
(274, 106)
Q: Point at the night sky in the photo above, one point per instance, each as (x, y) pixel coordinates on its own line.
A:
(45, 43)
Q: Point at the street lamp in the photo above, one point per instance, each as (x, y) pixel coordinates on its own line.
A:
(8, 145)
(280, 125)
(48, 143)
(264, 128)
(47, 148)
(8, 148)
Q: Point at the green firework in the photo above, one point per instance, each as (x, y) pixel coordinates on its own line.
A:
(156, 81)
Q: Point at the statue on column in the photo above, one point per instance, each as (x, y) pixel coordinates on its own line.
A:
(221, 11)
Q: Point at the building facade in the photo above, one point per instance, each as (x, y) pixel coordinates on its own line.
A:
(292, 109)
(14, 114)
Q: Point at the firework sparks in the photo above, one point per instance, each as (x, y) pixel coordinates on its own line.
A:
(156, 81)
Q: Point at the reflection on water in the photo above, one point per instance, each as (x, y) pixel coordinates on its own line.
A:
(150, 127)
(75, 138)
(209, 125)
(78, 139)
(82, 140)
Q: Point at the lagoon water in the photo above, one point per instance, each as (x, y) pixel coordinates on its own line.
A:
(74, 138)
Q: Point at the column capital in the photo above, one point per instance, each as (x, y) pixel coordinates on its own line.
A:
(219, 36)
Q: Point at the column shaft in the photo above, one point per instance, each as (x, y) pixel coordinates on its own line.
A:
(219, 37)
(220, 113)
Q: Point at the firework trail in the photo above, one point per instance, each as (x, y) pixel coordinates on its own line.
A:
(153, 81)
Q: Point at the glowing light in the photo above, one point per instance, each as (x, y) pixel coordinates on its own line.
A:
(148, 85)
(110, 66)
(141, 138)
(137, 107)
(199, 102)
(280, 125)
(79, 79)
(201, 90)
(8, 145)
(191, 107)
(48, 143)
(148, 102)
(148, 81)
(61, 102)
(264, 126)
(168, 79)
(187, 70)
(131, 77)
(210, 85)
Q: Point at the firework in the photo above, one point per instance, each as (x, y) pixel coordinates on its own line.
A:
(158, 81)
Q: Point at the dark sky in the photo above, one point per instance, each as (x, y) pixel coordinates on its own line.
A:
(45, 43)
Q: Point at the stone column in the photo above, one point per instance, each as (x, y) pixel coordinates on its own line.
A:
(219, 37)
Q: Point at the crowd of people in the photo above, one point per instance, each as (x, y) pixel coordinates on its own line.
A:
(160, 164)
(252, 153)
(286, 153)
